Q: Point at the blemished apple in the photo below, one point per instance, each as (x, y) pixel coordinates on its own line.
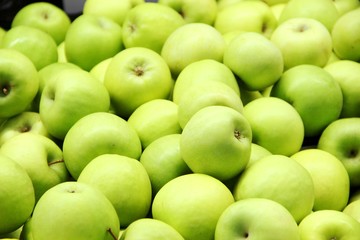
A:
(149, 25)
(96, 134)
(19, 82)
(256, 218)
(135, 76)
(281, 179)
(353, 209)
(114, 175)
(46, 17)
(54, 214)
(17, 195)
(192, 204)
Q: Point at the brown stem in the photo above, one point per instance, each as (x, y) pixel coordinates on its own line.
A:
(112, 234)
(57, 161)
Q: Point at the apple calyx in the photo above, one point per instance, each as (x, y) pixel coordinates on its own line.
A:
(237, 134)
(111, 233)
(139, 71)
(55, 162)
(5, 90)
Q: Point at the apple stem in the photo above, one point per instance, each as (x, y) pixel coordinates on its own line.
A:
(54, 162)
(112, 234)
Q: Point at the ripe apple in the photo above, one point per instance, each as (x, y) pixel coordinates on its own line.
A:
(303, 41)
(344, 6)
(353, 209)
(99, 70)
(44, 16)
(91, 39)
(277, 9)
(149, 25)
(16, 193)
(256, 218)
(192, 204)
(135, 76)
(257, 153)
(96, 134)
(54, 214)
(256, 71)
(61, 52)
(308, 89)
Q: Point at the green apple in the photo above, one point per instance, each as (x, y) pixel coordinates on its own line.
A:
(135, 76)
(150, 229)
(353, 209)
(307, 88)
(342, 139)
(26, 232)
(14, 235)
(276, 2)
(91, 39)
(99, 70)
(200, 11)
(149, 25)
(61, 52)
(256, 218)
(41, 157)
(344, 36)
(275, 125)
(59, 109)
(114, 175)
(256, 71)
(44, 16)
(192, 204)
(222, 152)
(344, 6)
(303, 41)
(248, 16)
(277, 9)
(257, 153)
(19, 82)
(281, 179)
(16, 193)
(74, 210)
(190, 43)
(347, 74)
(2, 33)
(96, 134)
(329, 224)
(36, 44)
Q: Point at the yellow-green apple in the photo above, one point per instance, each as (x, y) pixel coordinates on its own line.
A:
(342, 139)
(13, 235)
(192, 204)
(99, 70)
(275, 2)
(344, 6)
(19, 82)
(91, 39)
(346, 37)
(59, 109)
(353, 209)
(256, 218)
(61, 52)
(303, 41)
(277, 9)
(275, 125)
(347, 74)
(281, 179)
(34, 43)
(220, 152)
(256, 71)
(329, 224)
(257, 153)
(44, 16)
(308, 89)
(16, 193)
(114, 175)
(96, 134)
(190, 43)
(163, 162)
(135, 76)
(26, 233)
(149, 25)
(74, 210)
(329, 176)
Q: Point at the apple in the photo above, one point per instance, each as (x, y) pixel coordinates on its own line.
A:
(297, 87)
(342, 139)
(277, 9)
(59, 109)
(55, 214)
(353, 209)
(26, 232)
(61, 52)
(192, 204)
(45, 16)
(257, 153)
(135, 76)
(14, 235)
(96, 134)
(149, 25)
(190, 43)
(99, 70)
(256, 218)
(345, 36)
(275, 125)
(344, 6)
(303, 41)
(2, 33)
(16, 193)
(256, 71)
(34, 43)
(91, 39)
(19, 82)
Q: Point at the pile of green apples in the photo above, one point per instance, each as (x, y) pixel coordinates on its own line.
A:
(181, 119)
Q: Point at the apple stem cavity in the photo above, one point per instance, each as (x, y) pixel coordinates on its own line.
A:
(353, 153)
(5, 90)
(139, 71)
(111, 233)
(303, 28)
(55, 162)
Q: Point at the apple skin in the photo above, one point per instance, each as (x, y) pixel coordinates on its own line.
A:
(344, 6)
(256, 218)
(99, 70)
(19, 82)
(353, 209)
(257, 153)
(97, 218)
